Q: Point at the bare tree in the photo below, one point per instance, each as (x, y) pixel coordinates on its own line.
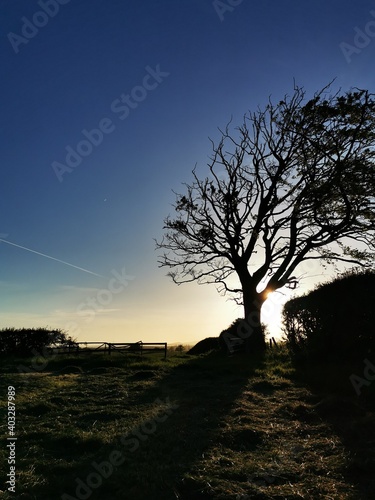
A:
(299, 184)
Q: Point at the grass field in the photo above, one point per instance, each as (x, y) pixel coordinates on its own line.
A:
(125, 427)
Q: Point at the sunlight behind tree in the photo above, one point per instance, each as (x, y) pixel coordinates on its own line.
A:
(300, 186)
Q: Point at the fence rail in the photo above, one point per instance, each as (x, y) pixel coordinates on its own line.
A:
(110, 347)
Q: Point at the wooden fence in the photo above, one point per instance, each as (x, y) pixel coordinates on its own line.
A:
(110, 347)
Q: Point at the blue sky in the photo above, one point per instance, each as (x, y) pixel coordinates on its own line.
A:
(189, 66)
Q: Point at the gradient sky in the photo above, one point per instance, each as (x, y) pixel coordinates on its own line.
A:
(190, 65)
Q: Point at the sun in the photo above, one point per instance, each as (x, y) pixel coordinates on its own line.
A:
(272, 312)
(267, 293)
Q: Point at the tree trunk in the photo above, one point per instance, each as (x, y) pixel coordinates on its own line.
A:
(252, 328)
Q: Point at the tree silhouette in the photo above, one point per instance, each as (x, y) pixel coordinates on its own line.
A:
(298, 184)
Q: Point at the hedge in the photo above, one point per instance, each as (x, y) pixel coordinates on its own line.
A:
(336, 321)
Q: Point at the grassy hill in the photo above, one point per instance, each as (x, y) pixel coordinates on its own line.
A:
(115, 427)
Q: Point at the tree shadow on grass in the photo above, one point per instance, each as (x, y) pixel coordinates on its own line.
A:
(185, 411)
(351, 417)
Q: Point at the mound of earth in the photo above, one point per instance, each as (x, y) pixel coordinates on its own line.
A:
(205, 345)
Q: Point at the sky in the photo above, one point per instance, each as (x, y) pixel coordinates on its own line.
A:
(106, 107)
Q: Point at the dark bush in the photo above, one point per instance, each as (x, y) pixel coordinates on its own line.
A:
(237, 333)
(335, 321)
(28, 341)
(233, 331)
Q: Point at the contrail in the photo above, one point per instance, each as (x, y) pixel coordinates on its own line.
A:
(49, 257)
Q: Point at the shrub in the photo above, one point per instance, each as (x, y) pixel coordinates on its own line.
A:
(335, 321)
(238, 329)
(27, 341)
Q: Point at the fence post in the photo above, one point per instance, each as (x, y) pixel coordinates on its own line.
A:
(109, 349)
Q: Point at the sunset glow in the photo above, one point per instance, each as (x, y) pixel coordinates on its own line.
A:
(107, 108)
